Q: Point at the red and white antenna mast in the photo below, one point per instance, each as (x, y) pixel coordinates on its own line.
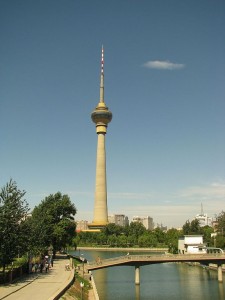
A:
(102, 77)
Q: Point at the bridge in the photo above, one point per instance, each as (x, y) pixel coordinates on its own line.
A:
(141, 260)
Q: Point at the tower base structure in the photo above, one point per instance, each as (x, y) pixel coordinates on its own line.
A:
(96, 227)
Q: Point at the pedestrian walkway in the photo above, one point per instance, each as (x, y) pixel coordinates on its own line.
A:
(44, 286)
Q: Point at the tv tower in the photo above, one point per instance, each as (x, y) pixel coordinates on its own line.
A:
(101, 116)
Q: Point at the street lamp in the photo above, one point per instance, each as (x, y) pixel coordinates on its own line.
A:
(81, 285)
(82, 258)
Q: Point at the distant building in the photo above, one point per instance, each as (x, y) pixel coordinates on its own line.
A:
(120, 220)
(146, 221)
(82, 226)
(203, 219)
(215, 224)
(191, 244)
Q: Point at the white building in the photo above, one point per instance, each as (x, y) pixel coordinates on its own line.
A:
(204, 220)
(191, 244)
(146, 221)
(120, 220)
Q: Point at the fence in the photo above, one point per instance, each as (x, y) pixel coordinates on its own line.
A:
(11, 275)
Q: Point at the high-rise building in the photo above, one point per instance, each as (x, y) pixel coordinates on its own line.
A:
(101, 116)
(203, 218)
(146, 221)
(120, 220)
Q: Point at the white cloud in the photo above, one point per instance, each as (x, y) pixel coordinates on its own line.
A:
(163, 65)
(130, 196)
(213, 191)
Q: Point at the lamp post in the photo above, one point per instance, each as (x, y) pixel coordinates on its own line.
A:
(82, 258)
(81, 285)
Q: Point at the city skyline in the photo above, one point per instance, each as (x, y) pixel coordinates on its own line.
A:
(164, 83)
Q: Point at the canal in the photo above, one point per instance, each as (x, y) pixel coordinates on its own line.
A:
(158, 282)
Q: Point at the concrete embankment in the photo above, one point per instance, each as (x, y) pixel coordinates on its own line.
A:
(124, 249)
(93, 293)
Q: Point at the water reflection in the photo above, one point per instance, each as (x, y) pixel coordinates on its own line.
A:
(221, 289)
(137, 292)
(100, 277)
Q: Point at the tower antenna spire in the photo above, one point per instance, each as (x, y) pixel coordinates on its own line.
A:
(202, 209)
(102, 78)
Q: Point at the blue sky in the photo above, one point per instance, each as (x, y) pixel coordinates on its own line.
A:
(164, 83)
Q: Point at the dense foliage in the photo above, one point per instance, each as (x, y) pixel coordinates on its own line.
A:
(221, 223)
(13, 212)
(52, 224)
(133, 235)
(136, 235)
(220, 238)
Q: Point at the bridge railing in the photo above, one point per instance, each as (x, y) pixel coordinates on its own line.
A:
(141, 258)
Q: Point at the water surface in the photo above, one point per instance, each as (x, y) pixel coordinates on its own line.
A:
(170, 281)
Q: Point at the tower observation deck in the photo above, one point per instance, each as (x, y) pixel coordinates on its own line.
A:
(101, 116)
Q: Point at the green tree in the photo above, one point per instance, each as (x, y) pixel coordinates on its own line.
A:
(13, 212)
(112, 240)
(195, 226)
(52, 223)
(112, 228)
(136, 229)
(160, 235)
(172, 237)
(122, 241)
(206, 231)
(220, 241)
(220, 238)
(187, 228)
(148, 239)
(191, 228)
(221, 223)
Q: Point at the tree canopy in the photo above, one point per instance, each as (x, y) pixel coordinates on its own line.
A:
(221, 223)
(192, 227)
(52, 223)
(13, 212)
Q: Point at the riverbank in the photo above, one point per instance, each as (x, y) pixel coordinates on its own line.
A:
(86, 292)
(124, 249)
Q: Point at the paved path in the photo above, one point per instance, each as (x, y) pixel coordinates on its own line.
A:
(40, 286)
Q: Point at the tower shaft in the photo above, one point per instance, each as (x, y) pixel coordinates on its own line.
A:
(101, 116)
(100, 208)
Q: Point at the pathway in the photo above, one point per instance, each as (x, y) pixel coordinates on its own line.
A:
(44, 286)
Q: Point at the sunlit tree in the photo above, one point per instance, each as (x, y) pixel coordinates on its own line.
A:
(13, 212)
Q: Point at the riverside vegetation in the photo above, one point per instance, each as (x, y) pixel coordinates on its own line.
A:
(136, 235)
(50, 227)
